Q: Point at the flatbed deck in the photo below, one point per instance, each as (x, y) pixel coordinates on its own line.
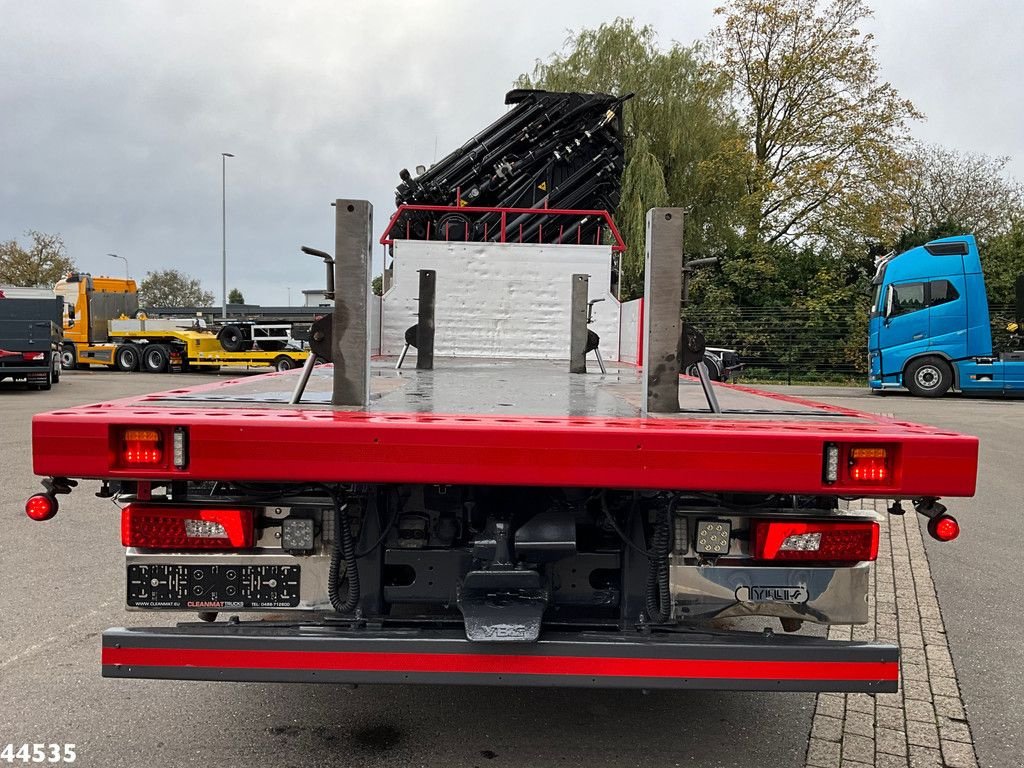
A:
(506, 423)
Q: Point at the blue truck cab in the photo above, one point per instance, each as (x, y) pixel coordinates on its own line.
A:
(929, 329)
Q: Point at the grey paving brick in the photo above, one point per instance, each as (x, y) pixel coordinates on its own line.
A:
(860, 702)
(829, 728)
(855, 764)
(831, 704)
(956, 754)
(921, 757)
(941, 668)
(823, 754)
(858, 748)
(889, 699)
(914, 671)
(954, 730)
(891, 742)
(923, 711)
(936, 652)
(890, 717)
(917, 689)
(949, 706)
(922, 734)
(883, 760)
(913, 655)
(860, 723)
(945, 686)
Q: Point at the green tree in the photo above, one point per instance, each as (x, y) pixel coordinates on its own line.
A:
(946, 192)
(172, 288)
(235, 297)
(824, 129)
(378, 285)
(1002, 258)
(39, 264)
(682, 143)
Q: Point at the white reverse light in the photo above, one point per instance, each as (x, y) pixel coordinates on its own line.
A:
(831, 462)
(801, 542)
(205, 529)
(180, 448)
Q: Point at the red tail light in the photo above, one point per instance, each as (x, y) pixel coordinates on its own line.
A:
(944, 528)
(160, 527)
(870, 465)
(141, 448)
(849, 541)
(41, 507)
(33, 356)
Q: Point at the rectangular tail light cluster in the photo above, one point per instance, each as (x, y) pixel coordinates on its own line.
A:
(144, 447)
(859, 464)
(155, 526)
(821, 541)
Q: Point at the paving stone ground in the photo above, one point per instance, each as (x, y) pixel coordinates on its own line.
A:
(923, 725)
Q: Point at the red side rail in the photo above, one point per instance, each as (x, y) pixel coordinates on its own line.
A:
(393, 232)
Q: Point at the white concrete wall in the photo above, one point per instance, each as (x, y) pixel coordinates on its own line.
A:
(499, 299)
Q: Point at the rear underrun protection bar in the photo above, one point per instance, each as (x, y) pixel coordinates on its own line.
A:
(257, 652)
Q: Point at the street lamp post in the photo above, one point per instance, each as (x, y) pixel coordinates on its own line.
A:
(224, 233)
(122, 258)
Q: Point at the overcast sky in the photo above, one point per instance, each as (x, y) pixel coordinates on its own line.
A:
(113, 115)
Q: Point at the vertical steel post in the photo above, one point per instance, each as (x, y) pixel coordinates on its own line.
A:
(663, 278)
(425, 321)
(578, 324)
(353, 270)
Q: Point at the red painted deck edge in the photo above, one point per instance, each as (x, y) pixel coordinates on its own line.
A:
(303, 445)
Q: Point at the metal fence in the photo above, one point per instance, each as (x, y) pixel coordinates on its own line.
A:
(823, 344)
(826, 343)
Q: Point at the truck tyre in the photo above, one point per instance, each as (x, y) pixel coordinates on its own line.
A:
(67, 357)
(231, 338)
(127, 357)
(283, 363)
(155, 358)
(928, 377)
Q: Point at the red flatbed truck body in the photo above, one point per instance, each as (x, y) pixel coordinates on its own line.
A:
(503, 522)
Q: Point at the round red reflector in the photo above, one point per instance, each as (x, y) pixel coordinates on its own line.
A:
(40, 507)
(944, 528)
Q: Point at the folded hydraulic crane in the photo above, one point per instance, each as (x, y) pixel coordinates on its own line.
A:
(551, 150)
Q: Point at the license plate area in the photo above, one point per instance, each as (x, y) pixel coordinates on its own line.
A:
(213, 586)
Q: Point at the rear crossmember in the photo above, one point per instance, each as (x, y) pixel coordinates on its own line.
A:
(251, 652)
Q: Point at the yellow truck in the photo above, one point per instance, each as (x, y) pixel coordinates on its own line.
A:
(103, 326)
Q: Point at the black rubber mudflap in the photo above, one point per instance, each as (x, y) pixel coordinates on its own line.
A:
(502, 606)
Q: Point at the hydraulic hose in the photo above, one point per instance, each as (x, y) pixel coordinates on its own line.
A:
(344, 551)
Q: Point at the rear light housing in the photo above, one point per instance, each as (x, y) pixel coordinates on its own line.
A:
(822, 541)
(30, 356)
(149, 447)
(154, 526)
